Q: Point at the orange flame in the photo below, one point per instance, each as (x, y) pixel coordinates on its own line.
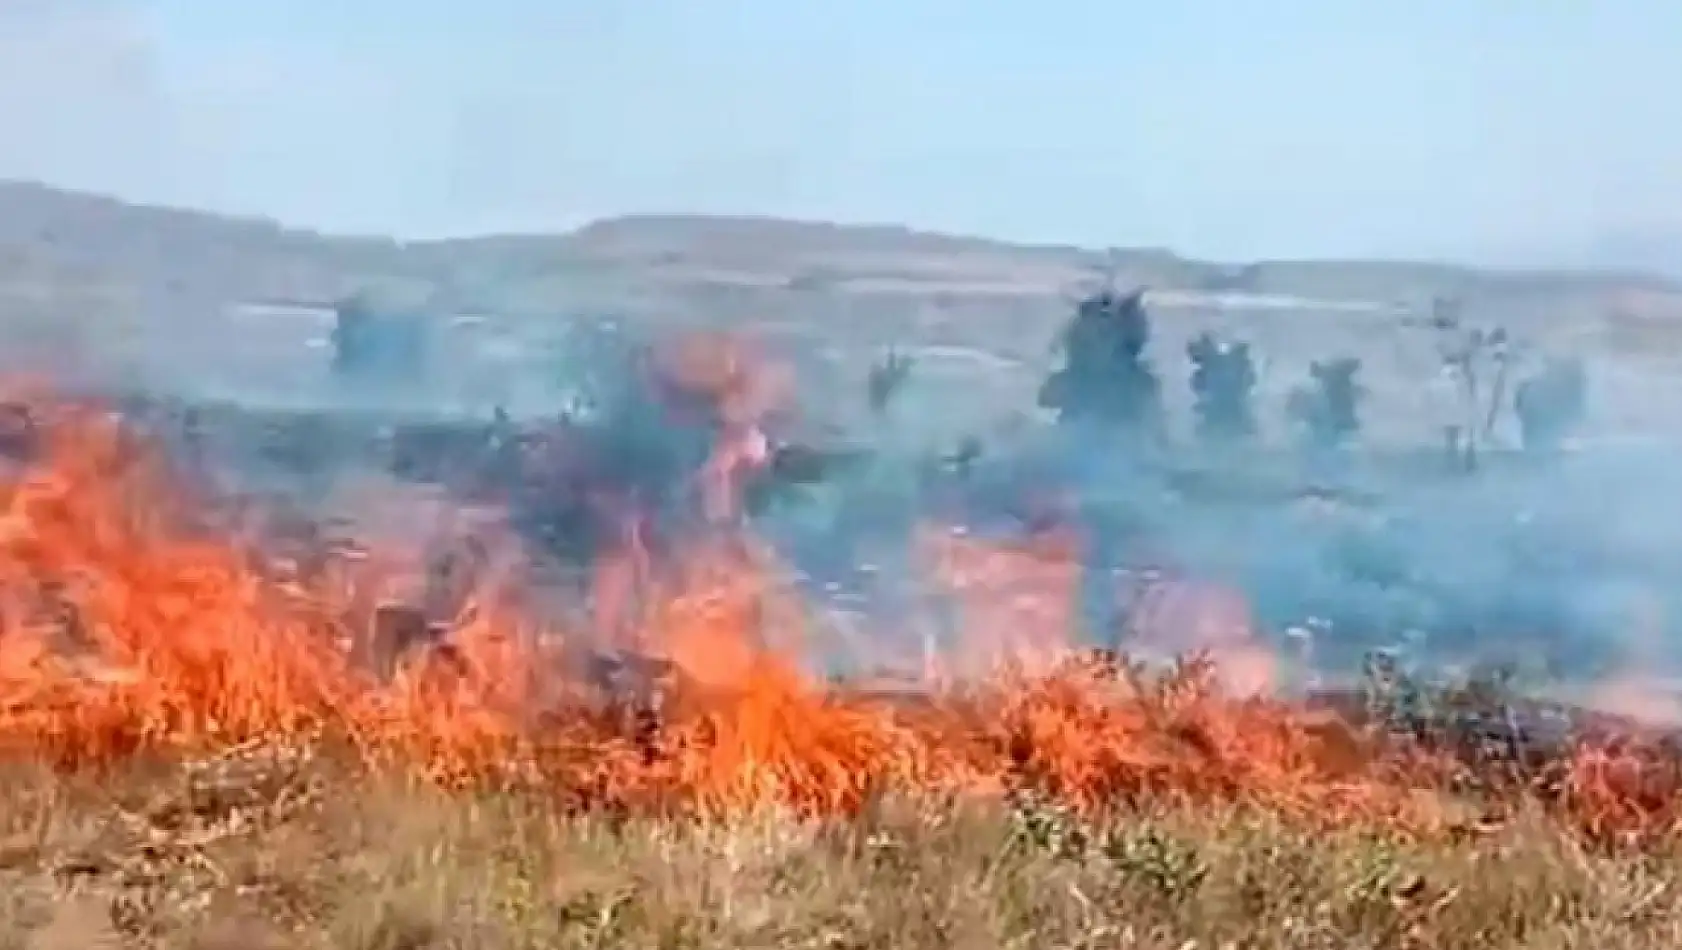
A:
(126, 629)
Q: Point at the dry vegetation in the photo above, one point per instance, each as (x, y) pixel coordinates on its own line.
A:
(308, 858)
(194, 760)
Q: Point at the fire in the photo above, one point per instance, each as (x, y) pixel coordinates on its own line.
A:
(128, 627)
(1014, 603)
(1180, 616)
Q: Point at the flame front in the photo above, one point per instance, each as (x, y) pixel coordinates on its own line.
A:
(125, 631)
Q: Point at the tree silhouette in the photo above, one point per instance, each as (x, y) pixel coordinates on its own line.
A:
(1328, 406)
(1479, 360)
(886, 378)
(1105, 378)
(1223, 381)
(1551, 404)
(370, 344)
(961, 460)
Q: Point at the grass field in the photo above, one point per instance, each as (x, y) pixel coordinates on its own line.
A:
(296, 854)
(192, 759)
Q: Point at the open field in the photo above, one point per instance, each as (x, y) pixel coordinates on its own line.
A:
(216, 731)
(193, 758)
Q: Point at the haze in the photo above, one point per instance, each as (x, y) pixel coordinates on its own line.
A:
(1537, 133)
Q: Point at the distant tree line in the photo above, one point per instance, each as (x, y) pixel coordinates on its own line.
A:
(1106, 380)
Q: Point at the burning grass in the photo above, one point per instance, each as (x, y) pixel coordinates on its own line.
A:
(201, 744)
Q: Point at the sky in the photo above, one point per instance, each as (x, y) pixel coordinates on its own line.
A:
(1233, 130)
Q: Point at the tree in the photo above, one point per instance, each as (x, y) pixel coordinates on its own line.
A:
(1472, 357)
(1551, 404)
(371, 343)
(1223, 381)
(1328, 406)
(886, 378)
(1105, 378)
(961, 461)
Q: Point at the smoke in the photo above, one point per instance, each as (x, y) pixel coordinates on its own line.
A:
(1564, 564)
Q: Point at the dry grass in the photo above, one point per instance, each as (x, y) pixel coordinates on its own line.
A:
(263, 852)
(303, 835)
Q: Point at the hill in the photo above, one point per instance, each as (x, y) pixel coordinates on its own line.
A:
(201, 252)
(80, 271)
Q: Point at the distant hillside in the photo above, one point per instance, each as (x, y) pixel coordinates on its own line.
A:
(117, 286)
(201, 255)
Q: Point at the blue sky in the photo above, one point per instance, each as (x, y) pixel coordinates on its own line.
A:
(1231, 129)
